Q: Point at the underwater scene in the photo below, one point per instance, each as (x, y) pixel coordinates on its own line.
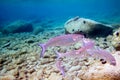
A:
(59, 39)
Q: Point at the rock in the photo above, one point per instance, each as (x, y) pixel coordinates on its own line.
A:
(74, 68)
(11, 67)
(7, 77)
(17, 27)
(29, 41)
(54, 76)
(6, 45)
(38, 30)
(88, 27)
(77, 46)
(46, 61)
(103, 72)
(116, 40)
(3, 42)
(25, 64)
(19, 61)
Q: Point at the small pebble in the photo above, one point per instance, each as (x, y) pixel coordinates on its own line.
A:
(75, 68)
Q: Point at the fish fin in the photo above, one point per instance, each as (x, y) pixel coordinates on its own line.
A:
(58, 54)
(60, 67)
(43, 49)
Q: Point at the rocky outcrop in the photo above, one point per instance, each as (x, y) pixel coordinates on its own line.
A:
(88, 27)
(116, 40)
(103, 71)
(17, 27)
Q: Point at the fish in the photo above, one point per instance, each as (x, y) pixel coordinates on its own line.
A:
(63, 40)
(102, 54)
(88, 49)
(70, 54)
(74, 53)
(87, 44)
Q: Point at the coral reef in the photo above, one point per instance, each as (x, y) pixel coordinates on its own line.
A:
(88, 27)
(17, 27)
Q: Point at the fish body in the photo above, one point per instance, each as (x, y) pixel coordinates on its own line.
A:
(102, 54)
(74, 53)
(87, 44)
(88, 49)
(63, 40)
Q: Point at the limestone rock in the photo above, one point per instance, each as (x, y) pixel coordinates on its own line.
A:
(116, 39)
(103, 72)
(88, 27)
(74, 68)
(54, 76)
(7, 77)
(17, 27)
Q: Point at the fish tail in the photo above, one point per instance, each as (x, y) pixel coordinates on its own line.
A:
(43, 49)
(58, 54)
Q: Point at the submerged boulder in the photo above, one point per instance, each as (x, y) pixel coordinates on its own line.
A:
(103, 71)
(17, 27)
(116, 39)
(88, 27)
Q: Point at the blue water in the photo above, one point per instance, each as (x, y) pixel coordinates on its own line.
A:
(59, 9)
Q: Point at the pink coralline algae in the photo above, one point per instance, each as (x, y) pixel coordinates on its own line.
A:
(88, 49)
